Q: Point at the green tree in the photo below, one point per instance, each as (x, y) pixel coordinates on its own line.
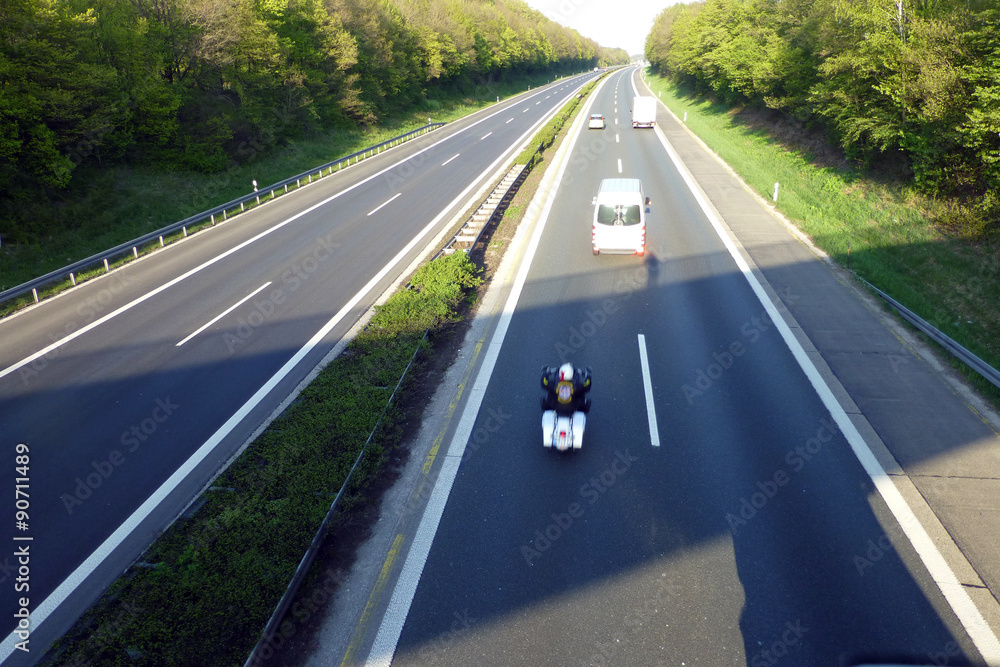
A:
(59, 103)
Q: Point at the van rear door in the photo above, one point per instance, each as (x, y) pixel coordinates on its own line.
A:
(619, 229)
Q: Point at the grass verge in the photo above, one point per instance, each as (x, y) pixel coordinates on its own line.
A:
(871, 223)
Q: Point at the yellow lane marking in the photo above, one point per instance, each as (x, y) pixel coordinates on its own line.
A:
(366, 617)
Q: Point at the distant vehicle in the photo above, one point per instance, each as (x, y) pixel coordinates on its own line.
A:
(595, 69)
(644, 112)
(620, 209)
(596, 122)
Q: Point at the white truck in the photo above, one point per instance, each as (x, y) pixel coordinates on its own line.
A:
(643, 112)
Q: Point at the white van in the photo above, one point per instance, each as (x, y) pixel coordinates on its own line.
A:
(620, 209)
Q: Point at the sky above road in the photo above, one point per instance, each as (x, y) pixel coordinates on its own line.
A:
(611, 23)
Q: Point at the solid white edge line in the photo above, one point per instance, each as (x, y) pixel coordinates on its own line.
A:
(647, 383)
(383, 204)
(384, 646)
(968, 614)
(85, 569)
(224, 313)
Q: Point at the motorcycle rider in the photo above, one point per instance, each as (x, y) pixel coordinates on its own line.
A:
(566, 388)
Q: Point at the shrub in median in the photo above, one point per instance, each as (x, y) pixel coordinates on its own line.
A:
(434, 292)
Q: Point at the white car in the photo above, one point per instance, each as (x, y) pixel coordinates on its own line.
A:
(596, 122)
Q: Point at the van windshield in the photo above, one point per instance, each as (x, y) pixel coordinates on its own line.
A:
(618, 215)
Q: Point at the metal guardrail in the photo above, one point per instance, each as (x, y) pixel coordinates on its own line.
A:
(70, 272)
(942, 339)
(472, 231)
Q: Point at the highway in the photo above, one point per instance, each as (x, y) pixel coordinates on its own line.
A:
(717, 516)
(129, 392)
